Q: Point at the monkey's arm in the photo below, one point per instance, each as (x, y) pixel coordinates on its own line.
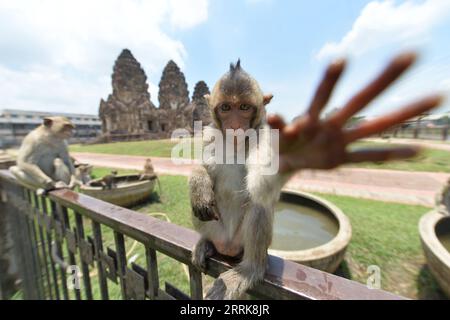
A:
(264, 180)
(67, 159)
(31, 169)
(202, 195)
(35, 172)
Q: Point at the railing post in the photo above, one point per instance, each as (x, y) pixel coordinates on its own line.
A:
(23, 254)
(8, 269)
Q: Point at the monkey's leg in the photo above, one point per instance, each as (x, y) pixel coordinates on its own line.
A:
(25, 178)
(257, 232)
(202, 250)
(33, 172)
(61, 171)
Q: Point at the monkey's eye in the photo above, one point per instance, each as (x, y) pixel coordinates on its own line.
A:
(225, 107)
(245, 107)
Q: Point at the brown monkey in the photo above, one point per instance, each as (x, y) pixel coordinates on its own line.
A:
(83, 172)
(108, 182)
(149, 171)
(233, 204)
(43, 159)
(443, 199)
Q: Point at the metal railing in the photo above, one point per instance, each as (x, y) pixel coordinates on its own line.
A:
(435, 133)
(51, 234)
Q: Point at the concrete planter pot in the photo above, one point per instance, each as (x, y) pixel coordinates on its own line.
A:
(437, 256)
(326, 257)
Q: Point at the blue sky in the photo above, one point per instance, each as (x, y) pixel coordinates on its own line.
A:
(58, 55)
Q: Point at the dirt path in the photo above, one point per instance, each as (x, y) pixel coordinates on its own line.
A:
(385, 185)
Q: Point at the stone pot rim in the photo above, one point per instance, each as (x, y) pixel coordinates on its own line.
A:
(427, 232)
(337, 244)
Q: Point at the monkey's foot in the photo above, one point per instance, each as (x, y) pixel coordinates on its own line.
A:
(202, 250)
(231, 285)
(60, 185)
(41, 192)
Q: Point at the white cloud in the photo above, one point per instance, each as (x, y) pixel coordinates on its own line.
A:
(384, 23)
(48, 89)
(61, 51)
(186, 14)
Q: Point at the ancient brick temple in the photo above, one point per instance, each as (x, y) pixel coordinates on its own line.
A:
(129, 113)
(200, 110)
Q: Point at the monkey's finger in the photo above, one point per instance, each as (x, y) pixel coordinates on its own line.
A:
(325, 88)
(394, 69)
(276, 122)
(379, 125)
(206, 214)
(381, 154)
(292, 130)
(320, 99)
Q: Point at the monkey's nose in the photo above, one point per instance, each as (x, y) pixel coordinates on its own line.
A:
(235, 125)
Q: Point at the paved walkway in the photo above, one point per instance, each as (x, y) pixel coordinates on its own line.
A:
(385, 185)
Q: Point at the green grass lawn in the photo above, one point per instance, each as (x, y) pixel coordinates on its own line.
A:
(384, 234)
(431, 160)
(150, 148)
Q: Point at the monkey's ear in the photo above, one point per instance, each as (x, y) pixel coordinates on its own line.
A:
(207, 97)
(267, 98)
(48, 122)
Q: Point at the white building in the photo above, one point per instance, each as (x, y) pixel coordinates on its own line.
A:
(16, 124)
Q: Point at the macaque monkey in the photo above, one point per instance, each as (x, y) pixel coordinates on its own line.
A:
(83, 172)
(149, 171)
(443, 199)
(233, 204)
(107, 181)
(43, 160)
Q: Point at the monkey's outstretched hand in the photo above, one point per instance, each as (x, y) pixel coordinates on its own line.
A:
(311, 143)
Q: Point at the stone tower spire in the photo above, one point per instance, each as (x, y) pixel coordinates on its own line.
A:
(201, 88)
(128, 108)
(173, 91)
(201, 112)
(128, 79)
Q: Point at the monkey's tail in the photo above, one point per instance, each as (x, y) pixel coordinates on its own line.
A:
(56, 258)
(159, 186)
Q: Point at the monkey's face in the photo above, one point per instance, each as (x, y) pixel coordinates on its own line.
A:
(61, 127)
(236, 101)
(235, 114)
